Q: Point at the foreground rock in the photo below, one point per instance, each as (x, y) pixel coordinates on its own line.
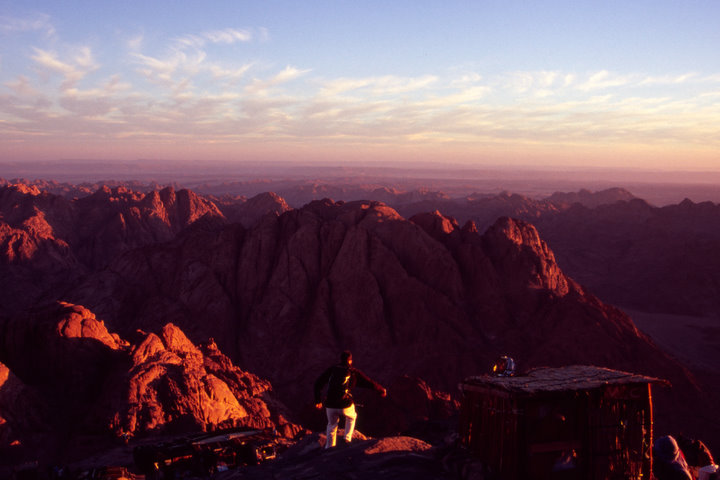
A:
(386, 458)
(87, 381)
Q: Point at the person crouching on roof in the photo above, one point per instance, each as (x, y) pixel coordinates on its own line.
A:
(340, 379)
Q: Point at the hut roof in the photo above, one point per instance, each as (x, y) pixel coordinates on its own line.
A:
(545, 379)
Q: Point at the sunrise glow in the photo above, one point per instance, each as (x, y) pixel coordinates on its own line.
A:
(558, 83)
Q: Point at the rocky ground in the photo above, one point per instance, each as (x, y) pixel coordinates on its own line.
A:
(399, 457)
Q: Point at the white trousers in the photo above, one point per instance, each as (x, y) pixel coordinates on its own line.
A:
(333, 415)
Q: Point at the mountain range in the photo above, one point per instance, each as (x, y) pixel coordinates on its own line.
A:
(167, 292)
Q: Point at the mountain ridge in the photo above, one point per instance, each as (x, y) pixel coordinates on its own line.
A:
(418, 297)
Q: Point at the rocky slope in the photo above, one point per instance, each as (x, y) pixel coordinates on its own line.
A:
(248, 211)
(425, 298)
(66, 376)
(661, 260)
(48, 242)
(385, 458)
(421, 302)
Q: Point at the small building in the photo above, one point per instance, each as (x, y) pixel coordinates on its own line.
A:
(575, 422)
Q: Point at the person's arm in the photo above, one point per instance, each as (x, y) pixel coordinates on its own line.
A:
(319, 384)
(363, 381)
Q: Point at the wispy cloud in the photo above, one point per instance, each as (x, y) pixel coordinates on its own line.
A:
(171, 70)
(74, 69)
(384, 85)
(135, 43)
(668, 79)
(186, 57)
(262, 86)
(36, 23)
(227, 36)
(22, 86)
(234, 73)
(603, 80)
(189, 88)
(288, 74)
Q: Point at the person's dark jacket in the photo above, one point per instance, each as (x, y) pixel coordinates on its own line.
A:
(340, 379)
(668, 460)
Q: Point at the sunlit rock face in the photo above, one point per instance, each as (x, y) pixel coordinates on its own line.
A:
(115, 220)
(174, 383)
(96, 227)
(48, 242)
(64, 373)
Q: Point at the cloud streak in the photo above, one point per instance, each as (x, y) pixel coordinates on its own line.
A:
(227, 36)
(74, 69)
(36, 23)
(189, 91)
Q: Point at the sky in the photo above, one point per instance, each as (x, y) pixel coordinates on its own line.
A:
(607, 83)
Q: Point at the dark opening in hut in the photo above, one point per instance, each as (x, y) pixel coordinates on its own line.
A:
(575, 422)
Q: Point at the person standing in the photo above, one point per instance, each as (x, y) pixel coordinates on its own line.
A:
(340, 379)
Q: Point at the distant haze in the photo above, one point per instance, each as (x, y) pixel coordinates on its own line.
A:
(657, 187)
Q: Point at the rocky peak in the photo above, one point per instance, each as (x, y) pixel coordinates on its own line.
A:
(175, 341)
(435, 222)
(58, 344)
(592, 199)
(470, 227)
(94, 382)
(523, 258)
(174, 384)
(437, 225)
(268, 201)
(249, 212)
(22, 189)
(77, 321)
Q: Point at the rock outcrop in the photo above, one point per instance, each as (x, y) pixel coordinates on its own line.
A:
(71, 377)
(174, 384)
(249, 211)
(21, 410)
(48, 242)
(592, 199)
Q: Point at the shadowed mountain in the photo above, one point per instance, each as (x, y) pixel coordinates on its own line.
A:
(484, 209)
(424, 298)
(48, 241)
(248, 211)
(643, 257)
(591, 199)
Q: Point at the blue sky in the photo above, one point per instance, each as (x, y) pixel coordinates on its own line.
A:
(604, 83)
